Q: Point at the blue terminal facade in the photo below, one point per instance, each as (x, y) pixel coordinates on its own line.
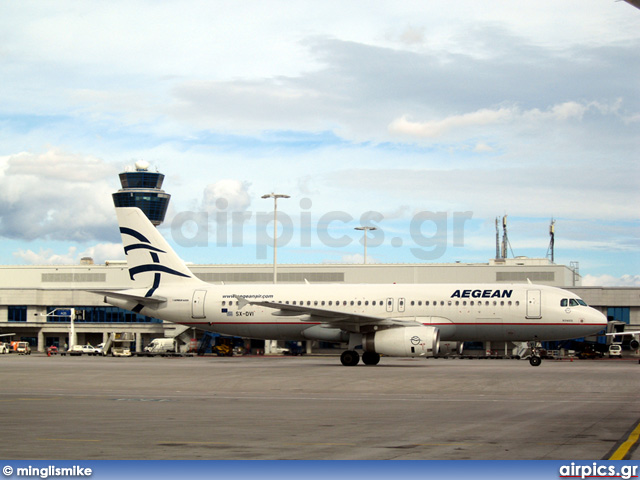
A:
(143, 189)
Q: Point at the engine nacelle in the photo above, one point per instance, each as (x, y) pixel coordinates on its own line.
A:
(634, 343)
(403, 341)
(450, 348)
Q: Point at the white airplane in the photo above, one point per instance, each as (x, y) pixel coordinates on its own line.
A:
(394, 320)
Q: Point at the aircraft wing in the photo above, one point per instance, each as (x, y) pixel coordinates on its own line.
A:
(350, 322)
(130, 296)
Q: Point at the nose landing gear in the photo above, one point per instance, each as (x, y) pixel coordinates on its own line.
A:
(535, 359)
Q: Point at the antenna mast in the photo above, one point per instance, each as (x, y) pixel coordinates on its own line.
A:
(505, 239)
(552, 233)
(497, 240)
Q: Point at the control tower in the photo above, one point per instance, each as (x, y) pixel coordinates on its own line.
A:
(142, 188)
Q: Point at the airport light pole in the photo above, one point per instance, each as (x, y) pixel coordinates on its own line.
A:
(365, 230)
(275, 197)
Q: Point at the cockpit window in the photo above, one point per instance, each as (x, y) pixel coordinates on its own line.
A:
(572, 302)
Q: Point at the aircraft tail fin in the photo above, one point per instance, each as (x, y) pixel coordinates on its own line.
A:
(150, 259)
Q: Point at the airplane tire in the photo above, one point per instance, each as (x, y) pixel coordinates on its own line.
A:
(350, 358)
(370, 358)
(535, 361)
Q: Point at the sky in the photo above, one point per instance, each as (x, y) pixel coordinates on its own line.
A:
(427, 120)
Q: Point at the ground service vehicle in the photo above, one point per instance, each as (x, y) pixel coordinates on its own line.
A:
(80, 349)
(162, 345)
(615, 351)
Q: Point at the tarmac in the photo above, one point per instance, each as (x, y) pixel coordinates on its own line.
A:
(311, 407)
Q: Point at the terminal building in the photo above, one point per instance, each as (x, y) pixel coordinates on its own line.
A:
(30, 295)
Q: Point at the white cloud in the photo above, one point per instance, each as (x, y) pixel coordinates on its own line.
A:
(611, 281)
(437, 128)
(56, 195)
(355, 258)
(518, 105)
(226, 195)
(46, 256)
(486, 116)
(483, 148)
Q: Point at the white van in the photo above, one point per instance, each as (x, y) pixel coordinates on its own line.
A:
(162, 345)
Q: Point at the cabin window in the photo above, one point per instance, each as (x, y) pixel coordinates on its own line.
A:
(366, 302)
(352, 303)
(413, 303)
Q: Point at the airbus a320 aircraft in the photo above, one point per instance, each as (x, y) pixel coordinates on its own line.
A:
(393, 320)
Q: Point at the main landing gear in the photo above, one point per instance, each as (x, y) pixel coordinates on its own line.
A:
(350, 358)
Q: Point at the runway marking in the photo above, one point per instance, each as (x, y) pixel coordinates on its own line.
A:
(69, 440)
(178, 443)
(30, 399)
(623, 449)
(445, 444)
(323, 444)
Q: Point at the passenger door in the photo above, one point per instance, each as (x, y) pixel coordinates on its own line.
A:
(197, 304)
(534, 307)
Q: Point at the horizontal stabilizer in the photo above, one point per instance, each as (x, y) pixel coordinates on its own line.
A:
(128, 295)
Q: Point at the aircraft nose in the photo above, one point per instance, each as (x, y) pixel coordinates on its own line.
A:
(599, 318)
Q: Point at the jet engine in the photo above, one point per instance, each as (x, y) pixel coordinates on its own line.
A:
(418, 341)
(634, 343)
(450, 348)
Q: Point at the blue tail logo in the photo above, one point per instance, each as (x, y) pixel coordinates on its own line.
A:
(155, 266)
